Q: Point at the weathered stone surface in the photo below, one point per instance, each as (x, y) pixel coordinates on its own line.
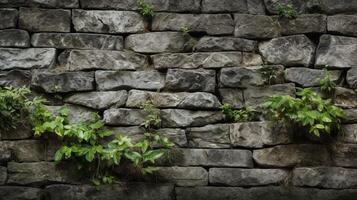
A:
(216, 6)
(107, 21)
(225, 44)
(256, 26)
(246, 177)
(22, 131)
(40, 3)
(125, 117)
(307, 77)
(146, 80)
(45, 20)
(77, 113)
(99, 100)
(301, 6)
(212, 24)
(17, 193)
(76, 60)
(38, 173)
(5, 155)
(258, 134)
(242, 77)
(251, 59)
(20, 150)
(14, 38)
(203, 100)
(77, 41)
(184, 118)
(345, 98)
(15, 78)
(308, 23)
(234, 97)
(11, 58)
(255, 96)
(8, 18)
(159, 42)
(343, 6)
(289, 50)
(53, 82)
(325, 177)
(292, 155)
(211, 157)
(128, 191)
(210, 136)
(342, 24)
(256, 7)
(352, 77)
(199, 80)
(183, 176)
(336, 51)
(351, 116)
(3, 175)
(344, 155)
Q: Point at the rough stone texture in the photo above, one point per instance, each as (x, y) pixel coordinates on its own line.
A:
(40, 3)
(53, 82)
(351, 78)
(45, 20)
(199, 80)
(159, 42)
(20, 150)
(3, 175)
(246, 177)
(8, 18)
(289, 50)
(342, 24)
(22, 131)
(225, 44)
(264, 27)
(146, 80)
(77, 41)
(242, 77)
(15, 78)
(331, 7)
(107, 21)
(299, 155)
(325, 177)
(184, 118)
(78, 114)
(211, 157)
(336, 51)
(196, 100)
(125, 117)
(234, 97)
(344, 155)
(303, 24)
(345, 98)
(307, 77)
(212, 24)
(11, 58)
(14, 38)
(128, 191)
(210, 136)
(5, 155)
(183, 176)
(17, 193)
(177, 136)
(215, 6)
(75, 60)
(351, 116)
(99, 100)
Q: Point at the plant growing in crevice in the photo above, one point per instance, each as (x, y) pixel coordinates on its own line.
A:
(145, 9)
(286, 10)
(184, 30)
(241, 115)
(269, 74)
(327, 85)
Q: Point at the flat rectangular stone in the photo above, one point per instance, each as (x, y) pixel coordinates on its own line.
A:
(210, 136)
(303, 24)
(124, 116)
(307, 77)
(234, 97)
(343, 6)
(8, 18)
(14, 38)
(351, 116)
(256, 26)
(22, 131)
(17, 192)
(3, 175)
(183, 176)
(225, 44)
(40, 3)
(345, 98)
(349, 133)
(25, 150)
(15, 78)
(219, 6)
(343, 155)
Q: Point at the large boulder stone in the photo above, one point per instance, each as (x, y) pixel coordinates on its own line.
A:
(25, 150)
(183, 176)
(3, 175)
(15, 78)
(352, 78)
(289, 50)
(225, 44)
(53, 82)
(17, 193)
(303, 24)
(343, 6)
(336, 51)
(77, 41)
(216, 6)
(146, 80)
(99, 100)
(184, 118)
(242, 77)
(45, 20)
(98, 21)
(199, 80)
(8, 18)
(159, 42)
(14, 38)
(11, 58)
(210, 136)
(76, 60)
(325, 177)
(212, 24)
(343, 155)
(234, 97)
(292, 155)
(345, 98)
(307, 77)
(195, 100)
(342, 24)
(124, 117)
(246, 177)
(256, 26)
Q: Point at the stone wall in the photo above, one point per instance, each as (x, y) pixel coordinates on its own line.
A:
(102, 55)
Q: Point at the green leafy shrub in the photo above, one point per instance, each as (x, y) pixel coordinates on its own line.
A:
(241, 115)
(145, 9)
(286, 10)
(327, 84)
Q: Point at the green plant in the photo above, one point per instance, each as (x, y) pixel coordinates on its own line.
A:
(242, 115)
(327, 84)
(286, 10)
(145, 9)
(184, 30)
(308, 110)
(269, 74)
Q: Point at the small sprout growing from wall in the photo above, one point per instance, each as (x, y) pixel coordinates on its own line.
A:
(145, 9)
(286, 10)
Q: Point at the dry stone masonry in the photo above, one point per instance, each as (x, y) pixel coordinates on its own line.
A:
(104, 56)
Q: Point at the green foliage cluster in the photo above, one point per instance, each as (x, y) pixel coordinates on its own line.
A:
(327, 84)
(242, 115)
(286, 10)
(185, 30)
(145, 9)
